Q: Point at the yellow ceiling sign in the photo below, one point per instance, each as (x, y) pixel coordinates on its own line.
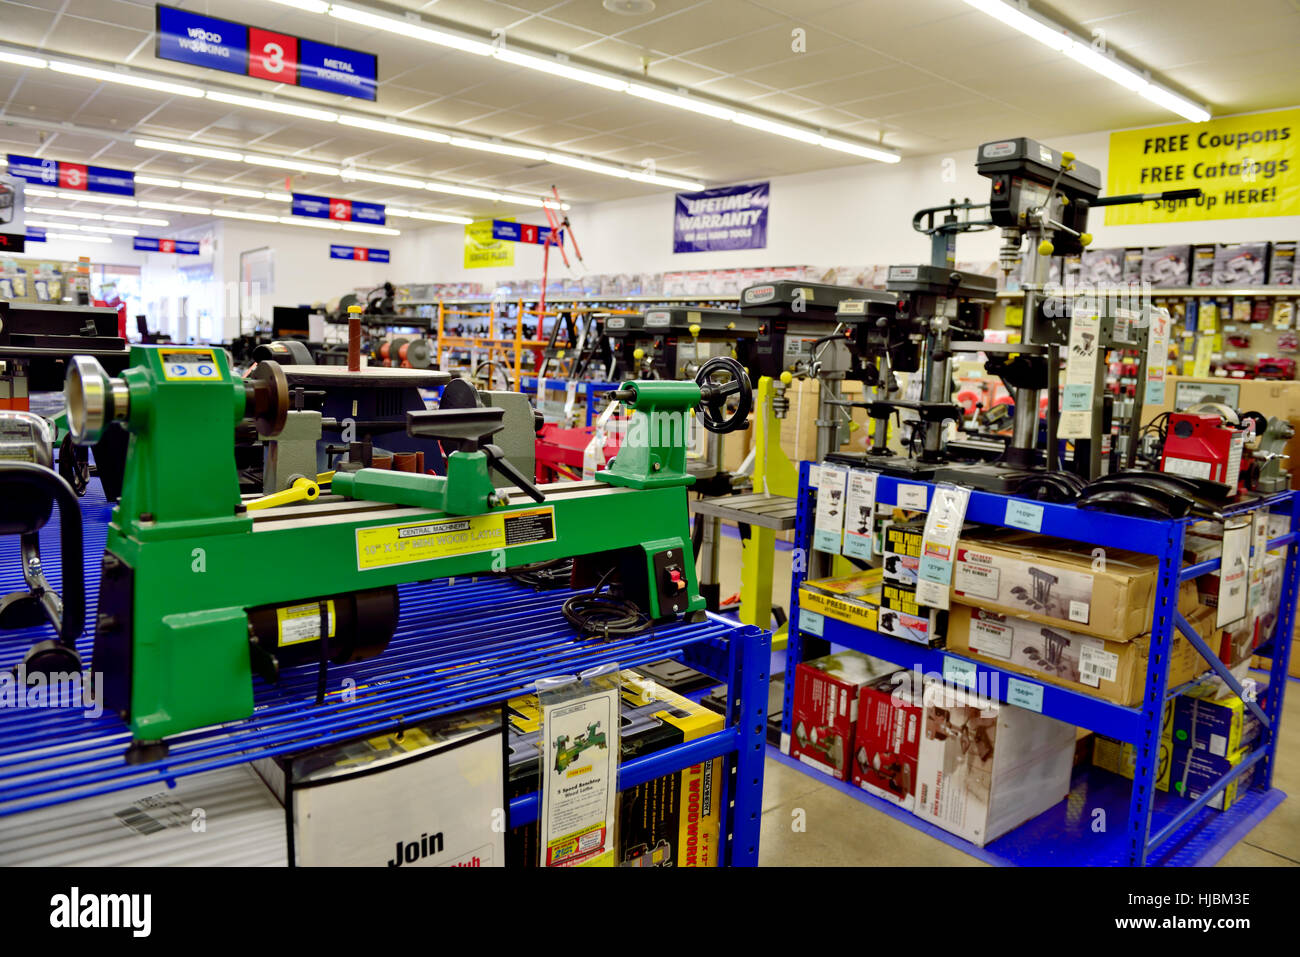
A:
(1247, 166)
(482, 251)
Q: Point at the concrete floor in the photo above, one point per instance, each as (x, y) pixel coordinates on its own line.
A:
(840, 831)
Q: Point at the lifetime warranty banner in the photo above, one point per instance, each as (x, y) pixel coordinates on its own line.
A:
(1248, 166)
(728, 217)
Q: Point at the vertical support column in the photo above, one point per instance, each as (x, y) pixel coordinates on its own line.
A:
(794, 648)
(751, 717)
(1147, 746)
(1282, 644)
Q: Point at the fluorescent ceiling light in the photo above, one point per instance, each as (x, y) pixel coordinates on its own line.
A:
(79, 238)
(284, 162)
(383, 179)
(560, 68)
(157, 181)
(592, 167)
(463, 191)
(126, 79)
(310, 223)
(47, 224)
(311, 6)
(681, 102)
(858, 149)
(80, 196)
(397, 129)
(141, 220)
(412, 28)
(114, 230)
(670, 181)
(505, 149)
(223, 189)
(189, 149)
(22, 59)
(45, 211)
(236, 214)
(273, 106)
(431, 217)
(780, 129)
(377, 230)
(177, 208)
(1059, 39)
(280, 197)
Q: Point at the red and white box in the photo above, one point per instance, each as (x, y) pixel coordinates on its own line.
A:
(826, 708)
(887, 741)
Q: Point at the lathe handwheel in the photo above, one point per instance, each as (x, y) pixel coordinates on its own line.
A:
(720, 379)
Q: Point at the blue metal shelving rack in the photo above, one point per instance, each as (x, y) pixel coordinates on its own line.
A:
(461, 643)
(590, 390)
(1158, 828)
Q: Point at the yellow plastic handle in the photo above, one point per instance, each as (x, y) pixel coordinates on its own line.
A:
(302, 490)
(358, 309)
(695, 330)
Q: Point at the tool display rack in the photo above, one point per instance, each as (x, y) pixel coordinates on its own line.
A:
(461, 643)
(1157, 828)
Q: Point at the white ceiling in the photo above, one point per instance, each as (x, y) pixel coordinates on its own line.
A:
(921, 76)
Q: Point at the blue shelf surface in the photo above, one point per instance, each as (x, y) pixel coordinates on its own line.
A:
(461, 643)
(1064, 835)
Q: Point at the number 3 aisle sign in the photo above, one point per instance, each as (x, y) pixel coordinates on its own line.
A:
(188, 37)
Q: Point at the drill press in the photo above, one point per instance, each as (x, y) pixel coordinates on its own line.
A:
(197, 592)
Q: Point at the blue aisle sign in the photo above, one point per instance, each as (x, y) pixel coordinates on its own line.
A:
(35, 234)
(523, 232)
(188, 37)
(359, 254)
(726, 218)
(339, 210)
(181, 247)
(48, 172)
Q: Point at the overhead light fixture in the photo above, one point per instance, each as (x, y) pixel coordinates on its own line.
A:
(80, 196)
(858, 149)
(125, 79)
(463, 191)
(285, 162)
(113, 230)
(557, 67)
(560, 159)
(681, 102)
(236, 214)
(376, 230)
(431, 217)
(22, 59)
(189, 149)
(396, 129)
(670, 181)
(79, 237)
(223, 189)
(1056, 37)
(157, 181)
(505, 149)
(310, 223)
(273, 106)
(176, 208)
(413, 28)
(45, 211)
(780, 129)
(280, 197)
(141, 220)
(383, 179)
(310, 6)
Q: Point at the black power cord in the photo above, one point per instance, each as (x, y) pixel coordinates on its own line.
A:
(604, 617)
(543, 576)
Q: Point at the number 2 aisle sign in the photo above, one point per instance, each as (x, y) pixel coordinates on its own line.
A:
(188, 37)
(342, 210)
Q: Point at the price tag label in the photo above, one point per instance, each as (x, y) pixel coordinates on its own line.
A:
(812, 622)
(1024, 515)
(958, 671)
(1025, 694)
(912, 497)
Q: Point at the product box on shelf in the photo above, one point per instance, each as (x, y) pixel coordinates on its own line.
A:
(902, 616)
(1193, 772)
(852, 598)
(825, 712)
(672, 821)
(1102, 667)
(417, 796)
(1133, 264)
(984, 768)
(1281, 264)
(1203, 265)
(1057, 582)
(901, 551)
(887, 739)
(1217, 725)
(1167, 265)
(1120, 757)
(1103, 267)
(1241, 264)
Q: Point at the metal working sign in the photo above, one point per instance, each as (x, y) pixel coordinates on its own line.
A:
(48, 172)
(180, 247)
(188, 37)
(339, 210)
(483, 250)
(509, 231)
(1247, 166)
(359, 254)
(725, 218)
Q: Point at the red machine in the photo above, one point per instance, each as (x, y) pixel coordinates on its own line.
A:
(1205, 445)
(560, 451)
(1275, 368)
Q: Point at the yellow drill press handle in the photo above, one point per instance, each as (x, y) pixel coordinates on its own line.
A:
(302, 490)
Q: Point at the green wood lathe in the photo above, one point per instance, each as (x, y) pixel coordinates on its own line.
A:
(198, 592)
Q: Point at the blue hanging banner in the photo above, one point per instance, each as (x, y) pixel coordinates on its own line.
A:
(726, 218)
(35, 234)
(180, 247)
(48, 172)
(512, 232)
(188, 37)
(358, 253)
(339, 210)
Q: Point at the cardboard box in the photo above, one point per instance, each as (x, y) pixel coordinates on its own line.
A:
(1167, 265)
(852, 598)
(1241, 264)
(826, 692)
(799, 427)
(902, 616)
(984, 768)
(1102, 267)
(1055, 582)
(1281, 265)
(887, 739)
(1203, 265)
(672, 821)
(1194, 771)
(1120, 757)
(1217, 725)
(1133, 264)
(1113, 670)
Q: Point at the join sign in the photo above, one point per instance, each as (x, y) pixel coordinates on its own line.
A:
(339, 210)
(359, 254)
(188, 37)
(48, 172)
(512, 232)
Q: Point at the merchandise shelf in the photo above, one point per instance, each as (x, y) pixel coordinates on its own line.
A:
(1157, 828)
(461, 643)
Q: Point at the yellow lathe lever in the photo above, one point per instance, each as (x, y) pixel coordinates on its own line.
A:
(302, 490)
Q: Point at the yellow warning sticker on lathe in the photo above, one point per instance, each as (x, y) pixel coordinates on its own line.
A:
(386, 545)
(189, 365)
(298, 623)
